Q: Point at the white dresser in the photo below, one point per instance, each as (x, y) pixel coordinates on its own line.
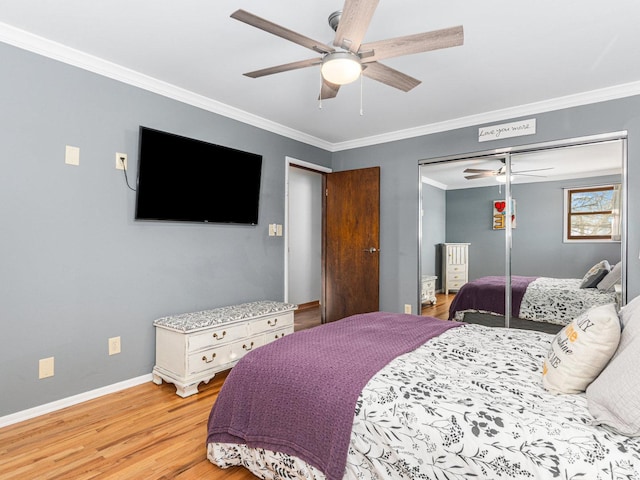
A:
(455, 266)
(192, 347)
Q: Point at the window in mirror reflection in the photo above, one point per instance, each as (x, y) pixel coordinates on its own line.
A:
(592, 213)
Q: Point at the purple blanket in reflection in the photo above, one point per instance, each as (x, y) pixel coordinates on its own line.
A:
(487, 294)
(297, 395)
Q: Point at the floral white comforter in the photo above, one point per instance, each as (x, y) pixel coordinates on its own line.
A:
(560, 300)
(467, 404)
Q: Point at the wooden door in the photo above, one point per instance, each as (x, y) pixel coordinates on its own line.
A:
(351, 252)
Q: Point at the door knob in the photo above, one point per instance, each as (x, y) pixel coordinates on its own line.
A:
(371, 250)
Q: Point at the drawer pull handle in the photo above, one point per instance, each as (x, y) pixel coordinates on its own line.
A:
(275, 322)
(279, 336)
(204, 358)
(215, 335)
(247, 348)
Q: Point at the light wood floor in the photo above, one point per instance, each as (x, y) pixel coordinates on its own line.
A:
(145, 432)
(441, 308)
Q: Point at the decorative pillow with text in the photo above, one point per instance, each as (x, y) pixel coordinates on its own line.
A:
(581, 350)
(595, 274)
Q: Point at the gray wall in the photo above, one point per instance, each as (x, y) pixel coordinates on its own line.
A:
(399, 160)
(538, 247)
(76, 268)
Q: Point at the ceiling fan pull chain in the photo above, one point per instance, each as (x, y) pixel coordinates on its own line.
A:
(320, 97)
(361, 83)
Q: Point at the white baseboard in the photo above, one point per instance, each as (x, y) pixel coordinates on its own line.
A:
(74, 400)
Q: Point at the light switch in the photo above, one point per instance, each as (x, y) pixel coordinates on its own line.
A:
(272, 229)
(72, 155)
(278, 230)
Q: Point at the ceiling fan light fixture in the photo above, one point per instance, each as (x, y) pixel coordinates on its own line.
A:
(341, 68)
(502, 178)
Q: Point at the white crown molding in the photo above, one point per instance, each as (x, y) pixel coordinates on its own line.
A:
(70, 401)
(575, 100)
(42, 46)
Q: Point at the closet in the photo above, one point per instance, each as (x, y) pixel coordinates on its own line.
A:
(460, 240)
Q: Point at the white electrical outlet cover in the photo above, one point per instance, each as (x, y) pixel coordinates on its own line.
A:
(120, 164)
(72, 155)
(114, 346)
(46, 367)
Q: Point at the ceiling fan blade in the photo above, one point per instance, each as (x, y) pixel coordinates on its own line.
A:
(390, 76)
(533, 170)
(284, 68)
(410, 44)
(328, 90)
(477, 170)
(528, 175)
(480, 175)
(354, 22)
(267, 26)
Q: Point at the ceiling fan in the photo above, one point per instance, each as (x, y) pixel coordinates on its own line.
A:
(351, 58)
(500, 173)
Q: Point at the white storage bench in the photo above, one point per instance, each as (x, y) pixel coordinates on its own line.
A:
(428, 294)
(192, 347)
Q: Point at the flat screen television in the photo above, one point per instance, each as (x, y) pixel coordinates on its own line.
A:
(186, 180)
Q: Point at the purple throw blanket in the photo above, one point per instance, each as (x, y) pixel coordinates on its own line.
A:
(487, 294)
(298, 395)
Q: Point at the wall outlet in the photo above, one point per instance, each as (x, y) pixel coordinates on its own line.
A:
(45, 367)
(114, 345)
(407, 308)
(120, 163)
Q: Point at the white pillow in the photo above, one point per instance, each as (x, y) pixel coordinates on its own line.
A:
(608, 283)
(580, 351)
(614, 397)
(629, 311)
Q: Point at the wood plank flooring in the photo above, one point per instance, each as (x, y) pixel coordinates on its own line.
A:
(441, 308)
(143, 432)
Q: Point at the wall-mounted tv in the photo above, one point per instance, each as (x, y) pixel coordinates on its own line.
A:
(187, 180)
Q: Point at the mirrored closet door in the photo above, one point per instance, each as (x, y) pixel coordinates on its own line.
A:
(536, 221)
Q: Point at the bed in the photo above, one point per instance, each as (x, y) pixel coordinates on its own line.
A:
(539, 299)
(465, 403)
